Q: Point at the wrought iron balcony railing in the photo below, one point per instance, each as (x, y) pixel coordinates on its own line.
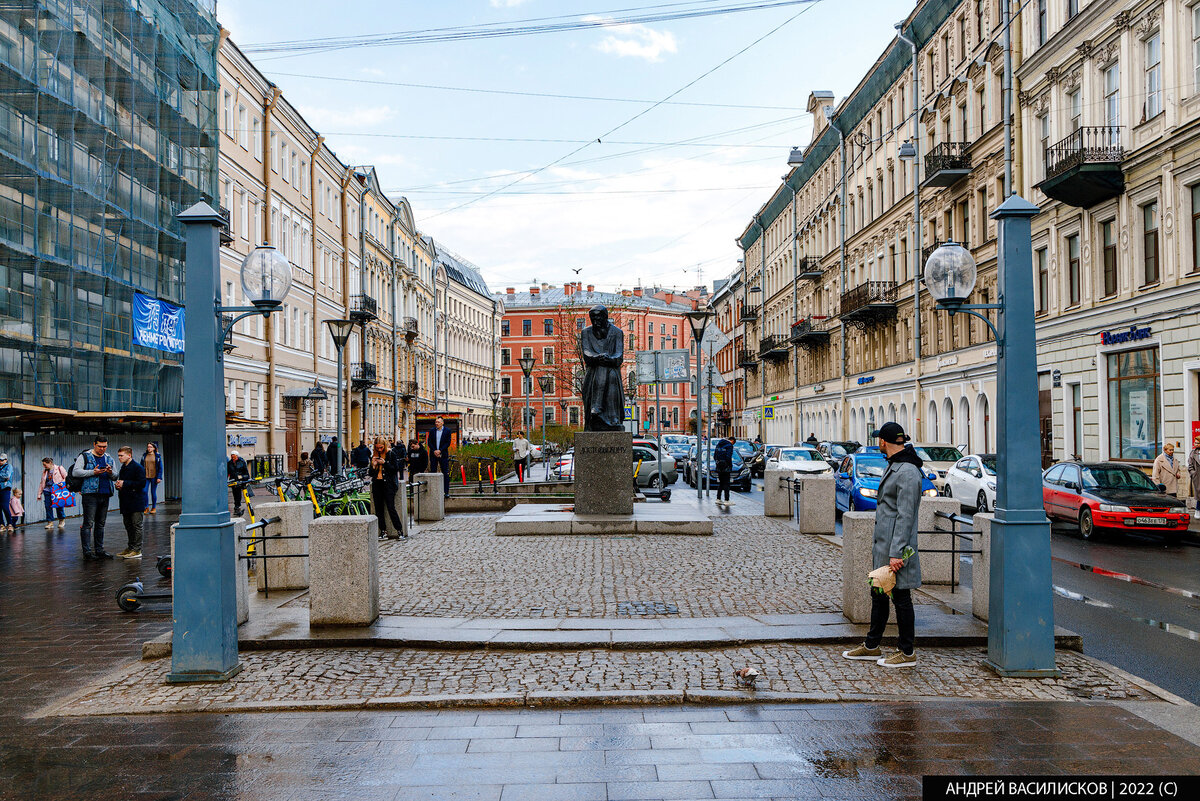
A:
(774, 346)
(810, 332)
(363, 308)
(869, 302)
(1088, 145)
(747, 358)
(410, 328)
(946, 163)
(808, 268)
(407, 389)
(363, 375)
(749, 314)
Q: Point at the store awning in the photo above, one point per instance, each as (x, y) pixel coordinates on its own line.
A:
(28, 417)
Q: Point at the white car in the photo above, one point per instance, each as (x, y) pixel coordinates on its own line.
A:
(939, 459)
(972, 480)
(799, 459)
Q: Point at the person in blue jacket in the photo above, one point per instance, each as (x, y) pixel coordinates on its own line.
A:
(6, 487)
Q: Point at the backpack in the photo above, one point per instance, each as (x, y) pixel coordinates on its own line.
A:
(74, 483)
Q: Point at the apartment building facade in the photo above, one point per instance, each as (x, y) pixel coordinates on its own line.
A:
(544, 323)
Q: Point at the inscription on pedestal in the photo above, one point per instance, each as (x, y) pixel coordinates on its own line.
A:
(603, 473)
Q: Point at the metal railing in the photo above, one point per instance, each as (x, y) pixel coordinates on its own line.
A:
(947, 156)
(227, 323)
(747, 358)
(773, 344)
(256, 539)
(868, 294)
(1089, 145)
(407, 389)
(809, 268)
(409, 326)
(363, 307)
(801, 329)
(363, 374)
(955, 536)
(927, 251)
(749, 314)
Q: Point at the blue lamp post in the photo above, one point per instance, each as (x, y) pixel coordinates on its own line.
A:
(1020, 603)
(204, 644)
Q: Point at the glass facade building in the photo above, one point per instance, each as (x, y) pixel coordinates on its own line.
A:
(108, 129)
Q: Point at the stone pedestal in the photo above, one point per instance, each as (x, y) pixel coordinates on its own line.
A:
(343, 570)
(858, 536)
(816, 504)
(241, 569)
(981, 566)
(431, 497)
(935, 567)
(777, 500)
(291, 573)
(604, 473)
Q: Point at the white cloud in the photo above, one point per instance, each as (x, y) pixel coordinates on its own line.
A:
(347, 120)
(636, 41)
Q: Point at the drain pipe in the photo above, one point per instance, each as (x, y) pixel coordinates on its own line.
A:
(837, 126)
(917, 266)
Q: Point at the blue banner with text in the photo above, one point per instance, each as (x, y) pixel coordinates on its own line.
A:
(157, 324)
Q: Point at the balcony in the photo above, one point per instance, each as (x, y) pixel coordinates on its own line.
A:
(747, 358)
(363, 308)
(809, 269)
(774, 347)
(362, 376)
(407, 390)
(947, 164)
(226, 232)
(868, 304)
(1085, 168)
(749, 314)
(811, 332)
(410, 329)
(227, 323)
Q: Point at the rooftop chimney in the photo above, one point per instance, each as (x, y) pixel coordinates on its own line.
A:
(669, 297)
(569, 289)
(637, 291)
(533, 290)
(591, 288)
(510, 290)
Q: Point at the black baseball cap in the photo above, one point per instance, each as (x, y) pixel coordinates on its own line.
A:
(891, 432)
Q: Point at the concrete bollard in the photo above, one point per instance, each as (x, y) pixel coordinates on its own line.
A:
(817, 508)
(241, 568)
(858, 537)
(431, 502)
(935, 567)
(778, 499)
(343, 570)
(284, 574)
(981, 565)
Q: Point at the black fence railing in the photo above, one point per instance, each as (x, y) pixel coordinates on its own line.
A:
(1088, 145)
(747, 358)
(363, 307)
(808, 268)
(407, 389)
(947, 156)
(749, 314)
(871, 293)
(773, 345)
(810, 328)
(363, 374)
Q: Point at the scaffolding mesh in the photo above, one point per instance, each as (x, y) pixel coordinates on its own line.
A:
(108, 129)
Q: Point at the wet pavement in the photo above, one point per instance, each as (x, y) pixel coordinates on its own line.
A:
(60, 630)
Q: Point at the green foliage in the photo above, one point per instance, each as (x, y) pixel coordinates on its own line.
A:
(471, 454)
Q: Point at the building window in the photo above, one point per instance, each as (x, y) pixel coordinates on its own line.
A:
(1072, 8)
(1153, 76)
(549, 413)
(1150, 242)
(1043, 26)
(1112, 95)
(526, 353)
(1109, 236)
(650, 342)
(1043, 279)
(1134, 430)
(573, 415)
(1195, 229)
(527, 328)
(1073, 270)
(1196, 46)
(547, 355)
(548, 327)
(505, 357)
(1075, 107)
(505, 386)
(504, 328)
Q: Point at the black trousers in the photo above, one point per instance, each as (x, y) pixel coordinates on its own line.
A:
(905, 618)
(723, 483)
(383, 495)
(443, 467)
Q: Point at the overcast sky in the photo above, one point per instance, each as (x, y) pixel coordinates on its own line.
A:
(632, 208)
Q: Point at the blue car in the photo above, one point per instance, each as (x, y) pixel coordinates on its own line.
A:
(857, 482)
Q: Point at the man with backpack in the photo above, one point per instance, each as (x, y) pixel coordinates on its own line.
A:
(92, 476)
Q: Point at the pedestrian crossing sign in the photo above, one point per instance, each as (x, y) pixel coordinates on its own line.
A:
(768, 412)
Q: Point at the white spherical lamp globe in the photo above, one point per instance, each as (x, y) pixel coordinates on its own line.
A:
(950, 275)
(266, 277)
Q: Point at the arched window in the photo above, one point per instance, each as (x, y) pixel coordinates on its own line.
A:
(964, 424)
(931, 423)
(948, 422)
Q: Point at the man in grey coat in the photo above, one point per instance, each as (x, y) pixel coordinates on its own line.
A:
(895, 530)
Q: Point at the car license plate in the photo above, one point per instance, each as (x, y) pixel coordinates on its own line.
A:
(1152, 521)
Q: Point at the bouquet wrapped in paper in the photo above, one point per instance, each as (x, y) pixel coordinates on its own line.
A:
(883, 579)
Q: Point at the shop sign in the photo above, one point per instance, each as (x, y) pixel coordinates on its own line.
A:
(948, 361)
(866, 379)
(990, 353)
(819, 388)
(1056, 378)
(240, 440)
(1133, 334)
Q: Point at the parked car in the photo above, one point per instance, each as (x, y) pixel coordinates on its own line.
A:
(677, 451)
(564, 466)
(738, 480)
(856, 484)
(647, 474)
(972, 479)
(682, 440)
(799, 459)
(752, 455)
(1109, 495)
(835, 452)
(939, 458)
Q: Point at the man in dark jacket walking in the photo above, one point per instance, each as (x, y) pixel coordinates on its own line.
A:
(899, 501)
(723, 461)
(335, 456)
(360, 457)
(418, 459)
(320, 464)
(238, 474)
(131, 491)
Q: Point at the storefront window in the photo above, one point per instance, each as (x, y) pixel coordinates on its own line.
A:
(1134, 427)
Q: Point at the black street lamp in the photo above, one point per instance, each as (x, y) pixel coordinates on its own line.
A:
(526, 363)
(495, 400)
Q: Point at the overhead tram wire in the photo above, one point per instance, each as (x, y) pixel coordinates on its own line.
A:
(587, 21)
(637, 116)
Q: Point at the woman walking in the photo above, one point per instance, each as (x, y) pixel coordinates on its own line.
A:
(1167, 470)
(152, 464)
(1194, 473)
(385, 475)
(52, 475)
(6, 484)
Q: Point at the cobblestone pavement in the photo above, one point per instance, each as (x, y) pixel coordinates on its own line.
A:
(329, 676)
(751, 565)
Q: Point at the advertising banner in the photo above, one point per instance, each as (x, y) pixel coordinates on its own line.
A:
(157, 324)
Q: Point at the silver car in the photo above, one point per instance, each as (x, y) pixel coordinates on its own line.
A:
(647, 471)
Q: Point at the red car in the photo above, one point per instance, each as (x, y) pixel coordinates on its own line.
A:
(1107, 495)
